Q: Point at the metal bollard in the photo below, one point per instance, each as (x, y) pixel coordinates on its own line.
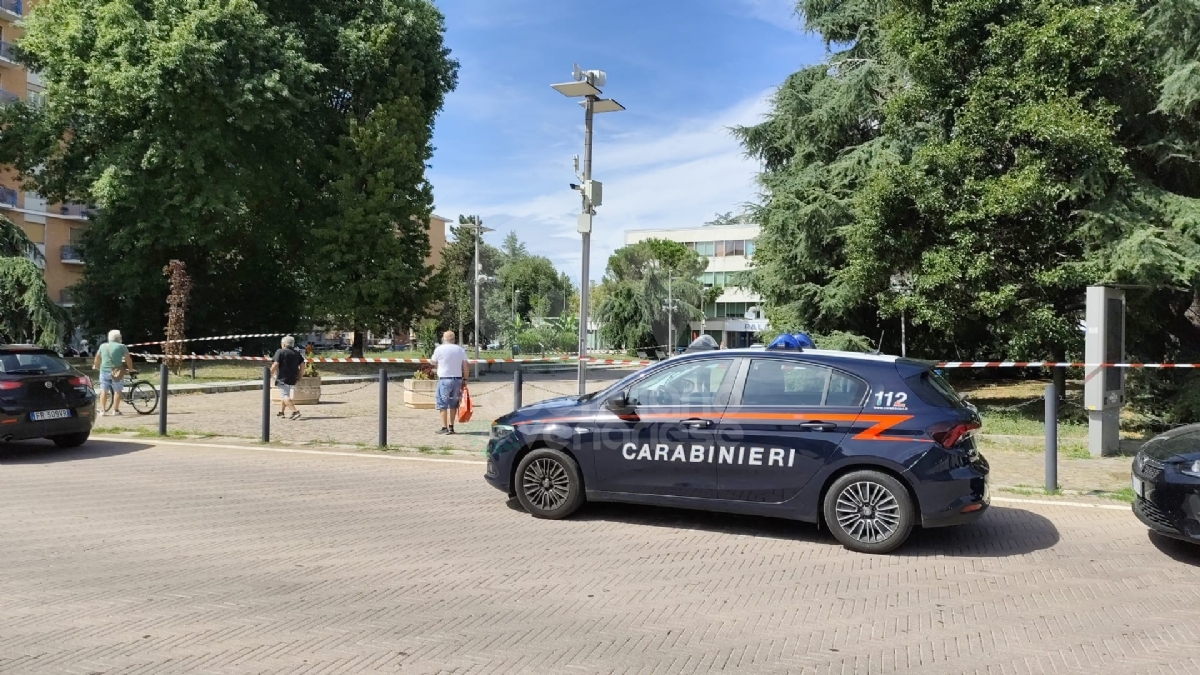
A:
(383, 411)
(163, 382)
(266, 405)
(517, 388)
(1051, 438)
(193, 365)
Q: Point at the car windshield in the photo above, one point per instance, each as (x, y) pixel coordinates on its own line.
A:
(19, 363)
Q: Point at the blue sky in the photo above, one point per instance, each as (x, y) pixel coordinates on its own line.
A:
(686, 70)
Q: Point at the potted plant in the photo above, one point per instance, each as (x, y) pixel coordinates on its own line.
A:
(420, 390)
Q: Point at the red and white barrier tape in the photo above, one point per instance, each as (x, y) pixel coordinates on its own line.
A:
(620, 362)
(548, 359)
(203, 339)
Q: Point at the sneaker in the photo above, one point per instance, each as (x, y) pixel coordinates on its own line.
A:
(443, 431)
(450, 431)
(279, 414)
(296, 415)
(116, 413)
(103, 413)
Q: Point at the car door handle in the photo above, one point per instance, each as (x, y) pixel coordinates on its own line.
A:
(696, 423)
(817, 425)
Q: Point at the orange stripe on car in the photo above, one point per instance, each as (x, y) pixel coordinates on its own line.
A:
(879, 423)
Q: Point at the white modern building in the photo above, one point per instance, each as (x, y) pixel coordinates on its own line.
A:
(736, 316)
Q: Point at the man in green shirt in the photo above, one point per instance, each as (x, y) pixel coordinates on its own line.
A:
(113, 362)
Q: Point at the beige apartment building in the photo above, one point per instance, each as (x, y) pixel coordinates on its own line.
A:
(54, 228)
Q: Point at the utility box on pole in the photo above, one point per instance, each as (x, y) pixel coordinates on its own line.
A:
(1104, 387)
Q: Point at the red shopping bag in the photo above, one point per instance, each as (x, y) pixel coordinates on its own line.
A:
(464, 407)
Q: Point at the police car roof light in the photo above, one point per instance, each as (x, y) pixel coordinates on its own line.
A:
(794, 342)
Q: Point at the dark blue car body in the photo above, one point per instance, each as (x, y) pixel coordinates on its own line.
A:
(764, 439)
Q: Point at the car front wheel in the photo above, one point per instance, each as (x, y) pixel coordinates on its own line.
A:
(869, 512)
(71, 440)
(549, 484)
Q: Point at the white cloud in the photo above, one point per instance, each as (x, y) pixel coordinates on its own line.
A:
(653, 178)
(780, 13)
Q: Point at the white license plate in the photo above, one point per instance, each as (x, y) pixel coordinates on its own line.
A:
(43, 415)
(1139, 488)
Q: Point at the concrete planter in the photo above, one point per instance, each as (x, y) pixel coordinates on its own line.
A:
(306, 392)
(420, 394)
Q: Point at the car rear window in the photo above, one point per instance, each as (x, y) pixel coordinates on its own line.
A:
(39, 363)
(934, 390)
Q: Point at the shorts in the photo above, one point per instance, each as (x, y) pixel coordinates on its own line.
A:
(107, 383)
(285, 389)
(449, 393)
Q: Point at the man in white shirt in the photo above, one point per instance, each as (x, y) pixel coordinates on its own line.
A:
(451, 362)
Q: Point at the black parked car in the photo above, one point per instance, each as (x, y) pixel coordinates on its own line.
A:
(1166, 482)
(42, 396)
(871, 446)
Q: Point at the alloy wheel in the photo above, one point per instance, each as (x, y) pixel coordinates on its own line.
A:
(546, 484)
(868, 512)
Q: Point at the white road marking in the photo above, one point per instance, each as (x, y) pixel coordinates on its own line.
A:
(293, 451)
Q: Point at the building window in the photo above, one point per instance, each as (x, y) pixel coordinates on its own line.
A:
(749, 247)
(735, 247)
(76, 236)
(705, 248)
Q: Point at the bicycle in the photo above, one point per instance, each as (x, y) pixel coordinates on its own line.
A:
(140, 394)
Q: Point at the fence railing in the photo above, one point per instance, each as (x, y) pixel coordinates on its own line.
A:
(75, 210)
(8, 197)
(8, 97)
(6, 51)
(71, 254)
(14, 6)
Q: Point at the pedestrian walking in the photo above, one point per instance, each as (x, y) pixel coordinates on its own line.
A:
(113, 362)
(285, 368)
(451, 362)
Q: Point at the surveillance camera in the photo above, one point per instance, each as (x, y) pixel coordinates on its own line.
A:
(574, 186)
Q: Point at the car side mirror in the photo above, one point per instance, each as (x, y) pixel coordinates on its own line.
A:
(617, 403)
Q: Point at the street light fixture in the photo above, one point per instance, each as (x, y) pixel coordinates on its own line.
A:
(478, 228)
(586, 84)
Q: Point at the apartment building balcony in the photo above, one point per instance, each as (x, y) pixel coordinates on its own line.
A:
(65, 298)
(7, 58)
(72, 211)
(8, 97)
(70, 255)
(11, 8)
(8, 198)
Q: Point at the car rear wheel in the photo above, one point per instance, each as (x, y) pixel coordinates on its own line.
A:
(869, 511)
(71, 440)
(549, 484)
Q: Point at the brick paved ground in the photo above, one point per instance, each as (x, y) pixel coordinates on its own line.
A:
(348, 416)
(134, 558)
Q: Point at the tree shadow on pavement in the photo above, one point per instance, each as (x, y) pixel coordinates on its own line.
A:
(1179, 551)
(45, 452)
(1000, 532)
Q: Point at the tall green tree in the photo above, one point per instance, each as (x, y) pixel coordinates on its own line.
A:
(238, 136)
(633, 310)
(27, 313)
(456, 280)
(995, 157)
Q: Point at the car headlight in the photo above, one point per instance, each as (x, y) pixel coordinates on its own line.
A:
(1190, 469)
(501, 430)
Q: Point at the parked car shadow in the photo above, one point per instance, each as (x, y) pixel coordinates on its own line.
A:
(45, 452)
(1000, 532)
(1179, 551)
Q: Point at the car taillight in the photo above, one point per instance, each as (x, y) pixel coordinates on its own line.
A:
(948, 434)
(81, 381)
(9, 385)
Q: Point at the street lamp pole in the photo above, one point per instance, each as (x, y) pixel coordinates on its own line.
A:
(586, 85)
(478, 229)
(670, 316)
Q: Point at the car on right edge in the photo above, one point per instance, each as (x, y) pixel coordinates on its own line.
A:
(1166, 484)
